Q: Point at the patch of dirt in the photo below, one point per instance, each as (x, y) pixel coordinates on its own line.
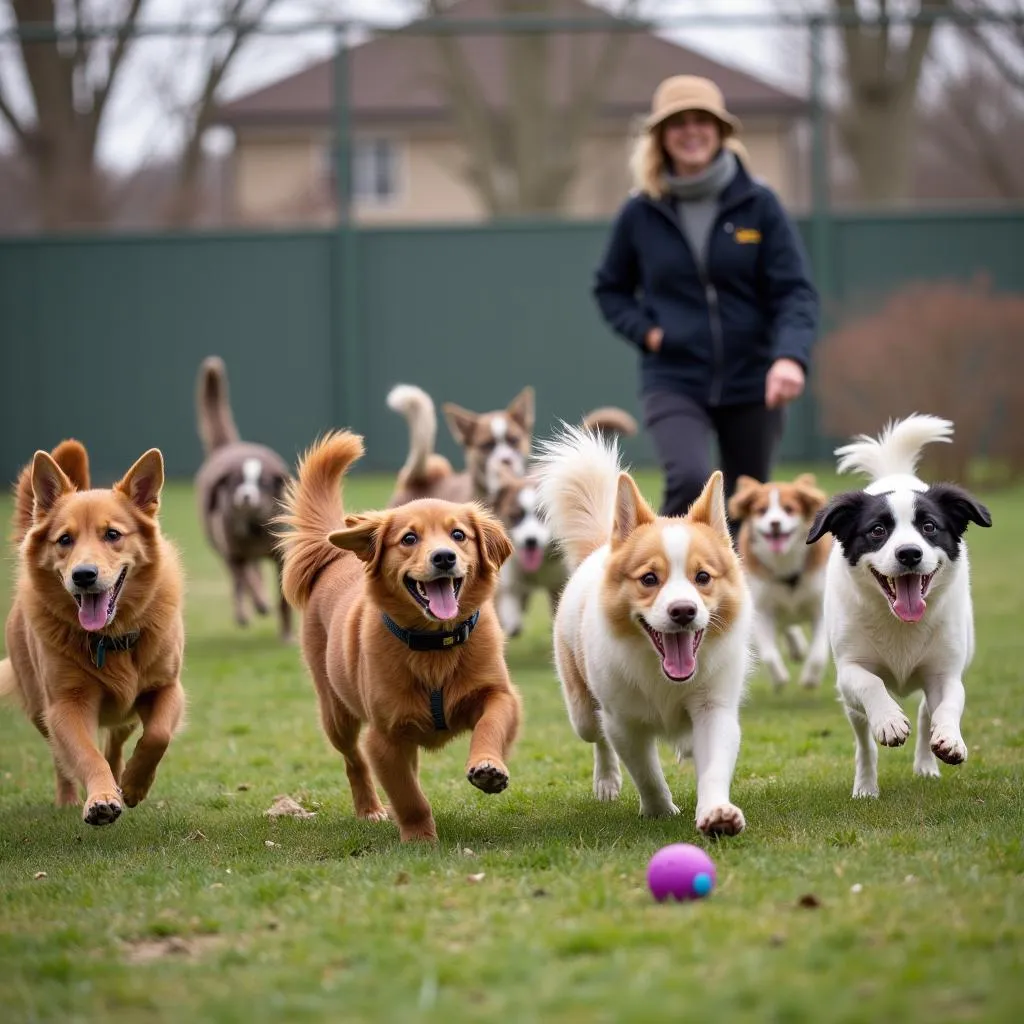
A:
(145, 951)
(285, 807)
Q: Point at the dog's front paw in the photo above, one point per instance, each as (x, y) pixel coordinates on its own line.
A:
(654, 809)
(135, 785)
(948, 746)
(102, 808)
(488, 776)
(865, 789)
(722, 820)
(608, 788)
(810, 677)
(372, 814)
(893, 730)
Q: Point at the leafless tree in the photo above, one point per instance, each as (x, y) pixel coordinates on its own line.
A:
(70, 84)
(1001, 42)
(524, 150)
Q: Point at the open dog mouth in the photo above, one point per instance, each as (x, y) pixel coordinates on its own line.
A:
(438, 597)
(531, 556)
(97, 608)
(777, 540)
(677, 650)
(906, 593)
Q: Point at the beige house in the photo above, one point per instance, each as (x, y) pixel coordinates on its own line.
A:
(412, 160)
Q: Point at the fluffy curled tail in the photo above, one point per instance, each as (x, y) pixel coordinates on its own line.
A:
(73, 459)
(579, 475)
(897, 450)
(422, 466)
(610, 419)
(312, 509)
(213, 406)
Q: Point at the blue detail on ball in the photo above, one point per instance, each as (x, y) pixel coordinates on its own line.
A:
(702, 883)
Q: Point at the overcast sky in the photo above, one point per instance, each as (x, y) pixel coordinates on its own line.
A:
(138, 128)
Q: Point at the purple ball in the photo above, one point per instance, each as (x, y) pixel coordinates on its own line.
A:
(682, 871)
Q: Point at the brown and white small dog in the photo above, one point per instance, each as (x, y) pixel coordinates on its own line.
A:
(537, 563)
(95, 638)
(494, 443)
(652, 633)
(399, 633)
(238, 488)
(786, 576)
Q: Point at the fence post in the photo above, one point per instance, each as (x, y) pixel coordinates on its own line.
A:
(345, 341)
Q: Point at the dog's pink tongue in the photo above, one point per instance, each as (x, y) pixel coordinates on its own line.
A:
(777, 544)
(441, 598)
(92, 614)
(679, 660)
(530, 558)
(909, 604)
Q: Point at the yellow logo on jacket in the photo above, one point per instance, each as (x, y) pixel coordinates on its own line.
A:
(748, 236)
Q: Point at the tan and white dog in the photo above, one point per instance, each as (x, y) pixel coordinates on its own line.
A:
(652, 634)
(786, 576)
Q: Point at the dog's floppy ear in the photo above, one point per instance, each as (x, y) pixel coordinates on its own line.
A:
(493, 542)
(838, 517)
(631, 510)
(743, 497)
(811, 496)
(959, 507)
(522, 410)
(144, 481)
(460, 422)
(48, 482)
(72, 457)
(363, 536)
(709, 508)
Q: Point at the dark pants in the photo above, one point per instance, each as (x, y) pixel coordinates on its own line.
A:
(748, 437)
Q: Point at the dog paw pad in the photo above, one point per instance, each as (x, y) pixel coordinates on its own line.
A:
(950, 749)
(104, 809)
(723, 820)
(893, 731)
(488, 777)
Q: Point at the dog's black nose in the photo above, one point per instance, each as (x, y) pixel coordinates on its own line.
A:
(531, 544)
(682, 612)
(444, 559)
(85, 575)
(908, 555)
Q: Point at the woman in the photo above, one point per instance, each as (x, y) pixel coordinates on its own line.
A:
(705, 275)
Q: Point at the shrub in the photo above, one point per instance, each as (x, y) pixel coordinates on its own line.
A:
(955, 349)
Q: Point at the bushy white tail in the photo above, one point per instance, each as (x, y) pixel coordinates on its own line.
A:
(418, 409)
(579, 473)
(897, 450)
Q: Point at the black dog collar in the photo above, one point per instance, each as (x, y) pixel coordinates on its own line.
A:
(433, 641)
(99, 645)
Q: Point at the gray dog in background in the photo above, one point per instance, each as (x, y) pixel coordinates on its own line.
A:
(239, 487)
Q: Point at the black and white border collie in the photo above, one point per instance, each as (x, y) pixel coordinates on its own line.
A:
(897, 597)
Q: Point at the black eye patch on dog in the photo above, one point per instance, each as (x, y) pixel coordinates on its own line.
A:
(851, 518)
(950, 509)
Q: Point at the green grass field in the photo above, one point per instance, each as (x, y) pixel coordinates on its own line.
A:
(197, 907)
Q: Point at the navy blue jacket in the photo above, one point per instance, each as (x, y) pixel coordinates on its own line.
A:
(753, 304)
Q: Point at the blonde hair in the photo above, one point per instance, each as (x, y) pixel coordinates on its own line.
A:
(647, 160)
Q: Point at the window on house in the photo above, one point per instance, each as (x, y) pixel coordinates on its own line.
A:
(374, 170)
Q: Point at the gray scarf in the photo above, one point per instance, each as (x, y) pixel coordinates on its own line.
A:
(696, 200)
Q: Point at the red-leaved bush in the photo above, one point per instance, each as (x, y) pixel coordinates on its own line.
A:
(953, 349)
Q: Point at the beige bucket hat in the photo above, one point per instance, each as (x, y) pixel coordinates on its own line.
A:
(690, 92)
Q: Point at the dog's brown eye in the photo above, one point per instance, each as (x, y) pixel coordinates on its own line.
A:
(649, 579)
(702, 579)
(112, 535)
(64, 540)
(409, 539)
(458, 536)
(878, 531)
(928, 527)
(788, 509)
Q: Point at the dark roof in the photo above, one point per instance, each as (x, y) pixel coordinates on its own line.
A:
(398, 76)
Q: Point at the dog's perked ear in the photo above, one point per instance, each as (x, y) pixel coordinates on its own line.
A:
(521, 409)
(144, 481)
(839, 517)
(959, 507)
(631, 510)
(48, 482)
(461, 422)
(493, 542)
(72, 457)
(709, 508)
(743, 497)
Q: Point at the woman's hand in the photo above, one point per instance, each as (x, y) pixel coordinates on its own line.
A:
(653, 339)
(785, 382)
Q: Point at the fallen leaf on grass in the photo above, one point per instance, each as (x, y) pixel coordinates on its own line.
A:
(195, 837)
(147, 950)
(808, 900)
(402, 878)
(284, 806)
(476, 878)
(242, 787)
(39, 874)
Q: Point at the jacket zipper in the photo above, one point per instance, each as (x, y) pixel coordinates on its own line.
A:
(711, 297)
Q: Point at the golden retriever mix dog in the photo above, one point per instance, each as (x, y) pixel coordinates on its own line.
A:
(95, 638)
(399, 633)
